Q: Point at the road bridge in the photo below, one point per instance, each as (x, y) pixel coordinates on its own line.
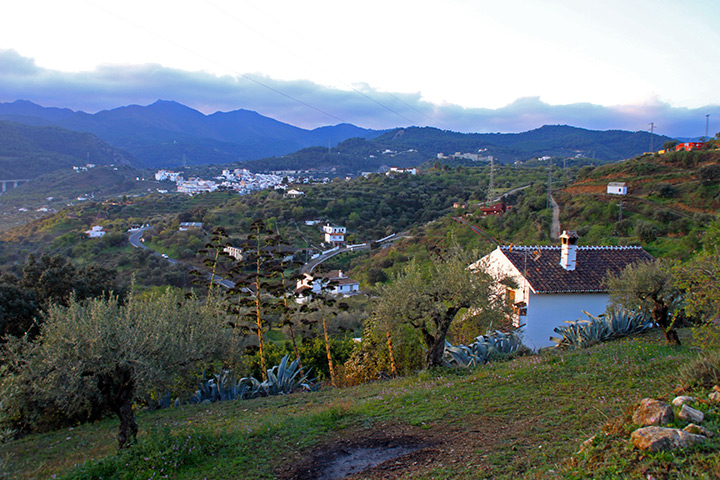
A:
(15, 183)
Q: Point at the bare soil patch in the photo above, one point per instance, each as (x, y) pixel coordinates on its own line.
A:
(396, 451)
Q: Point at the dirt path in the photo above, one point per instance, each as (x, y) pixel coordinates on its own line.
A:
(555, 227)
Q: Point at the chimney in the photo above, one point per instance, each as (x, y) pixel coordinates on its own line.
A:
(568, 250)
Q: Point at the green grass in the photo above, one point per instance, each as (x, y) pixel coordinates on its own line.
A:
(520, 419)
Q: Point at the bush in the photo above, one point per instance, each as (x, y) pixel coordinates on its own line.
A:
(703, 372)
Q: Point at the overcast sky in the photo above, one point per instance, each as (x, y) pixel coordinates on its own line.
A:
(470, 66)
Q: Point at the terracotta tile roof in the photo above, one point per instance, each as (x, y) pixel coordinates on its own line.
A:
(545, 275)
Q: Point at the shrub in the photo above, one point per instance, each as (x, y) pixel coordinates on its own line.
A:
(702, 372)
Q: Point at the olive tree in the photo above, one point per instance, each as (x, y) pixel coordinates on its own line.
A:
(115, 352)
(430, 299)
(650, 287)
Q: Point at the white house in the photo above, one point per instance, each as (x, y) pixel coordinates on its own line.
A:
(334, 234)
(95, 232)
(292, 193)
(185, 226)
(337, 283)
(548, 285)
(617, 188)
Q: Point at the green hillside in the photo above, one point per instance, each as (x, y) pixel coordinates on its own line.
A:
(29, 151)
(526, 418)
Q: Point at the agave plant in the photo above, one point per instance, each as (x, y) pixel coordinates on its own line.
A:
(484, 348)
(615, 322)
(282, 379)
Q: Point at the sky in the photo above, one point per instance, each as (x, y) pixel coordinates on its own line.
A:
(462, 65)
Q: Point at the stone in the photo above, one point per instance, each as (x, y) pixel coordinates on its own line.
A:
(587, 444)
(691, 415)
(683, 400)
(698, 430)
(714, 396)
(657, 439)
(653, 412)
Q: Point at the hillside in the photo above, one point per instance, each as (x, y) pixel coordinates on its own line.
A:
(414, 146)
(167, 134)
(27, 152)
(526, 418)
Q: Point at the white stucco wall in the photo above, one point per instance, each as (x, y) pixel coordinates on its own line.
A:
(547, 311)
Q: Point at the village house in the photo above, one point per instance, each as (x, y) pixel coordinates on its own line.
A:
(617, 188)
(185, 226)
(496, 209)
(337, 284)
(334, 234)
(95, 232)
(548, 285)
(292, 193)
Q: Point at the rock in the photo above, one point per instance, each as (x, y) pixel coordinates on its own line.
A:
(587, 444)
(698, 430)
(657, 439)
(653, 412)
(714, 396)
(690, 414)
(683, 400)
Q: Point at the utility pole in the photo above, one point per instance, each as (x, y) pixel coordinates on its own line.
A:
(652, 129)
(620, 214)
(491, 185)
(549, 196)
(707, 122)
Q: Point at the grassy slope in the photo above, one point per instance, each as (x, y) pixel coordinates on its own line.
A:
(525, 418)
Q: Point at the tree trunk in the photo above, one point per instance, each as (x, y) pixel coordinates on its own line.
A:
(393, 368)
(333, 380)
(436, 348)
(118, 390)
(661, 318)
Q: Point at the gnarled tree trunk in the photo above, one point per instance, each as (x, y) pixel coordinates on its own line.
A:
(118, 391)
(660, 316)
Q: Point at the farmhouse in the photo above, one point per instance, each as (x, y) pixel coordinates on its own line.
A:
(617, 188)
(95, 232)
(548, 285)
(334, 234)
(337, 283)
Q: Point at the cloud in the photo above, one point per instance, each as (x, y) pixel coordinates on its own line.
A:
(308, 105)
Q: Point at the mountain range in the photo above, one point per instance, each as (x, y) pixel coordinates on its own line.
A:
(168, 134)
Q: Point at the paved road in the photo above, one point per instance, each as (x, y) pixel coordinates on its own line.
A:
(135, 241)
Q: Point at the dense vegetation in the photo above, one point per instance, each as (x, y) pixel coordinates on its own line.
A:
(420, 294)
(28, 151)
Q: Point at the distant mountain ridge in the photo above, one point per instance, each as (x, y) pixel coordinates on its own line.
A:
(167, 133)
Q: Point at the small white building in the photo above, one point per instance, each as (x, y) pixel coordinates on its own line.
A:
(185, 226)
(292, 193)
(548, 285)
(95, 232)
(617, 188)
(234, 252)
(337, 284)
(334, 234)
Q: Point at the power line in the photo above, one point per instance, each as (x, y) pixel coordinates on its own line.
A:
(245, 76)
(355, 90)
